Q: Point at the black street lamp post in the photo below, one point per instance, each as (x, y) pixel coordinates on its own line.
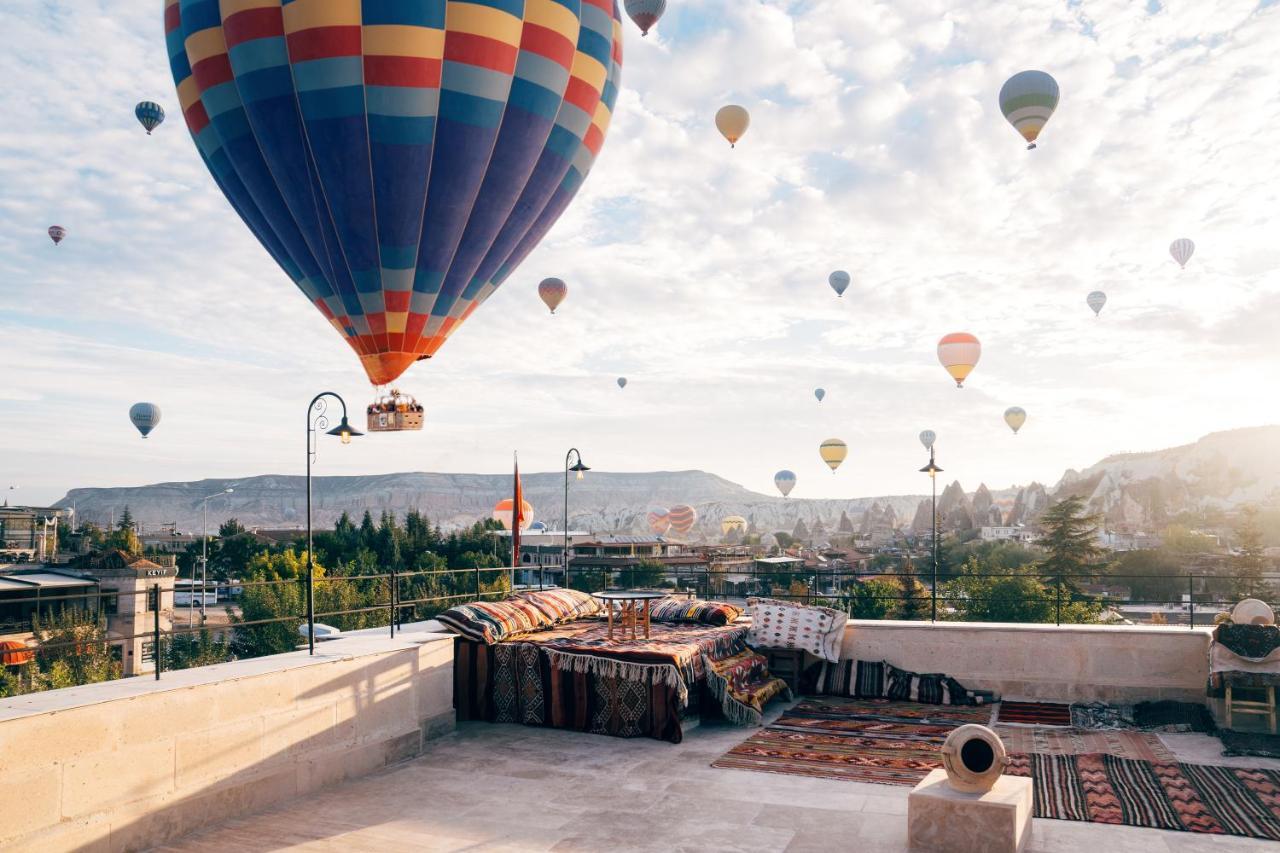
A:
(933, 471)
(578, 468)
(317, 419)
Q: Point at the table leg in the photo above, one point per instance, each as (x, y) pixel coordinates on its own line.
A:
(610, 606)
(646, 620)
(1228, 705)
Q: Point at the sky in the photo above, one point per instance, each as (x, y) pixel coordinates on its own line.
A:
(697, 271)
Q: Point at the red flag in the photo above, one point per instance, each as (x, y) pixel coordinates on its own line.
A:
(517, 515)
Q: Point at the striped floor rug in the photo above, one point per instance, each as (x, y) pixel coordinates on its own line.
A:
(1034, 713)
(1158, 794)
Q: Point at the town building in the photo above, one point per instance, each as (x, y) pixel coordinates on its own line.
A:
(1006, 533)
(29, 533)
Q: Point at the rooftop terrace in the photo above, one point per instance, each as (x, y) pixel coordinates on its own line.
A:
(356, 749)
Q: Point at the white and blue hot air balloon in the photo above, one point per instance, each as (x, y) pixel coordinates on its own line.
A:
(145, 416)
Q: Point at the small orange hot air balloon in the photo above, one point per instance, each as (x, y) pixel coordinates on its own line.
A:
(553, 291)
(959, 353)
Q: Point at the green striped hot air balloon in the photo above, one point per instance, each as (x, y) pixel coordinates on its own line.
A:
(1027, 99)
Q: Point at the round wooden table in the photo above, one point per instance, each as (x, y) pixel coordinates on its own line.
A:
(633, 609)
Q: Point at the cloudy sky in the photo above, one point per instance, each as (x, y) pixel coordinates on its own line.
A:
(696, 271)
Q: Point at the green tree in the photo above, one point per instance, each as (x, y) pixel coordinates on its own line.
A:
(187, 650)
(71, 649)
(126, 520)
(916, 602)
(649, 573)
(874, 599)
(1070, 536)
(1248, 562)
(124, 539)
(785, 539)
(1153, 575)
(230, 527)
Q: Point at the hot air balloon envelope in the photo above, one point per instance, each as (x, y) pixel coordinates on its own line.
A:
(149, 115)
(622, 382)
(959, 353)
(658, 519)
(57, 233)
(732, 522)
(839, 280)
(645, 13)
(1182, 249)
(682, 517)
(502, 513)
(833, 451)
(1096, 300)
(819, 393)
(1027, 99)
(1015, 417)
(732, 122)
(397, 159)
(553, 292)
(785, 481)
(145, 416)
(927, 438)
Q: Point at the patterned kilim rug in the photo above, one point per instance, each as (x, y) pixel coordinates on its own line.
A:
(1054, 740)
(1249, 743)
(1034, 713)
(1161, 794)
(864, 740)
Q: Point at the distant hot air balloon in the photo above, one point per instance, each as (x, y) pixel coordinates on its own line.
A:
(622, 382)
(732, 122)
(659, 519)
(502, 513)
(733, 522)
(145, 416)
(553, 291)
(1027, 99)
(1182, 249)
(57, 233)
(927, 438)
(959, 352)
(785, 481)
(682, 517)
(819, 393)
(397, 159)
(833, 451)
(1015, 417)
(1096, 300)
(645, 13)
(839, 280)
(149, 114)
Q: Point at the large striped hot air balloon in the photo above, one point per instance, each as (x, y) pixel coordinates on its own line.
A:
(502, 513)
(645, 13)
(785, 481)
(552, 292)
(833, 451)
(959, 353)
(397, 158)
(659, 519)
(1182, 249)
(682, 517)
(1027, 99)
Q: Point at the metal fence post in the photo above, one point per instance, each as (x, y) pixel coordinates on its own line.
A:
(393, 602)
(477, 583)
(1057, 609)
(155, 598)
(1191, 598)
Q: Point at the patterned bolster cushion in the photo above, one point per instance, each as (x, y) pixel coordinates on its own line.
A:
(787, 625)
(860, 679)
(562, 605)
(492, 622)
(694, 610)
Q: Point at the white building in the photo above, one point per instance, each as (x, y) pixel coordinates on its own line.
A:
(1013, 533)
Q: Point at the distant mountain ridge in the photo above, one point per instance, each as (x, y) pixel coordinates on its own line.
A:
(1223, 469)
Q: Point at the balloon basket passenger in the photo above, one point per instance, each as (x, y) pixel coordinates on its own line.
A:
(394, 412)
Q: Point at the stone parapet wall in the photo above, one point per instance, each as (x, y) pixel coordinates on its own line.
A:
(134, 763)
(1067, 663)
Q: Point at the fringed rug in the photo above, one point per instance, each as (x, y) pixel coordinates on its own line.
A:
(1161, 795)
(742, 685)
(1034, 713)
(1054, 740)
(1249, 743)
(862, 740)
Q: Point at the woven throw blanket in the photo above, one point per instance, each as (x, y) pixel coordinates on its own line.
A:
(673, 654)
(1251, 642)
(743, 686)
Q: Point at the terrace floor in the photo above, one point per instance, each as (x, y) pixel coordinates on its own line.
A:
(512, 788)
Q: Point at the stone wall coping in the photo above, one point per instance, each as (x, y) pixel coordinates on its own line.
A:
(348, 646)
(1028, 627)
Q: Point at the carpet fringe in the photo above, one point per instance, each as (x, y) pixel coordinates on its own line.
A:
(664, 673)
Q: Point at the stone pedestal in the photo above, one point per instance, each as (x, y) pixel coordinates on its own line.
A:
(998, 821)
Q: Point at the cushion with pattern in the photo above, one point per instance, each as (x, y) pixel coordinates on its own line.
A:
(492, 622)
(562, 605)
(695, 610)
(789, 625)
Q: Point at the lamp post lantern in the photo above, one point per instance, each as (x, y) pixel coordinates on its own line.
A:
(578, 468)
(933, 471)
(204, 556)
(317, 419)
